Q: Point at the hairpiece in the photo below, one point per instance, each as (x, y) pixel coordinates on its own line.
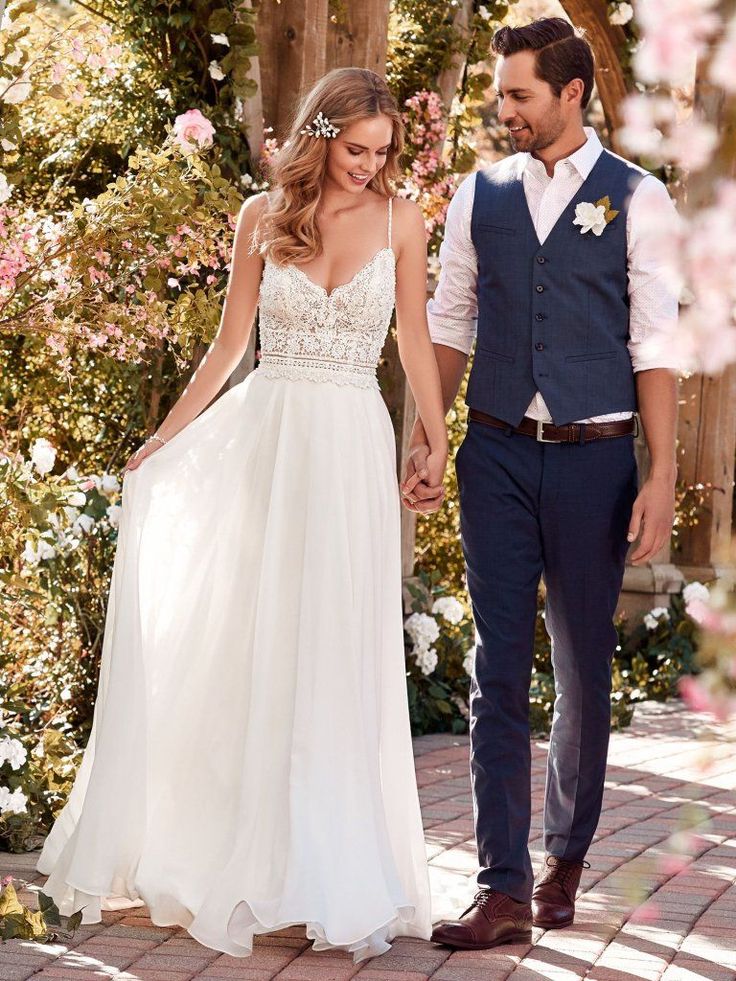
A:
(321, 126)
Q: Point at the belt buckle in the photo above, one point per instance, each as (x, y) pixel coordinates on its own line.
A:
(540, 433)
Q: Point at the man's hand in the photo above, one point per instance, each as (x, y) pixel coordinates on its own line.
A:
(654, 511)
(422, 489)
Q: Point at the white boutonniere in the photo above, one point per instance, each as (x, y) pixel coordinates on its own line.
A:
(594, 217)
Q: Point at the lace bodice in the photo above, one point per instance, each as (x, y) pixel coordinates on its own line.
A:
(309, 333)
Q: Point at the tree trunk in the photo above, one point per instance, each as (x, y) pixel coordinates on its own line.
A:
(449, 79)
(606, 39)
(250, 117)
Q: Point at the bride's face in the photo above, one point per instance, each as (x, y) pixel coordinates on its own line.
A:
(358, 152)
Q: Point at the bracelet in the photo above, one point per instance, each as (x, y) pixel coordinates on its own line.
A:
(159, 438)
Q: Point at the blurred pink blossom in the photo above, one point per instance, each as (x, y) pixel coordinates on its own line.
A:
(193, 130)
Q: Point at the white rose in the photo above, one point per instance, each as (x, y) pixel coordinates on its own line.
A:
(71, 473)
(220, 39)
(14, 803)
(427, 660)
(113, 514)
(7, 145)
(652, 619)
(77, 499)
(590, 217)
(216, 72)
(469, 661)
(43, 455)
(85, 522)
(622, 14)
(695, 590)
(5, 189)
(450, 608)
(422, 629)
(110, 483)
(12, 751)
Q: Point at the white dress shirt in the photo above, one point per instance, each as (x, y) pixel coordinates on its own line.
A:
(453, 310)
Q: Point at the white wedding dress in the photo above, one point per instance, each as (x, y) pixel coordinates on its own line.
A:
(250, 762)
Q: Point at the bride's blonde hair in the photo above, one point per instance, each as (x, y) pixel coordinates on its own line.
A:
(288, 229)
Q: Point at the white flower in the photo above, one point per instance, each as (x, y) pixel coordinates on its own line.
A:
(43, 455)
(77, 499)
(33, 555)
(422, 629)
(65, 694)
(16, 93)
(164, 94)
(71, 513)
(12, 751)
(220, 39)
(484, 12)
(590, 217)
(14, 803)
(320, 126)
(173, 282)
(216, 72)
(85, 523)
(450, 608)
(7, 145)
(110, 483)
(426, 659)
(113, 514)
(622, 14)
(695, 590)
(651, 620)
(72, 473)
(5, 189)
(469, 661)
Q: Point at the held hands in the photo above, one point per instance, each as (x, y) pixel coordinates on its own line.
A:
(421, 488)
(654, 512)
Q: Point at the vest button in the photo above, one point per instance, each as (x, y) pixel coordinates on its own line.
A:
(539, 316)
(539, 346)
(541, 259)
(540, 289)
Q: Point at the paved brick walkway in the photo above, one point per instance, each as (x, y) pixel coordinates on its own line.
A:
(686, 931)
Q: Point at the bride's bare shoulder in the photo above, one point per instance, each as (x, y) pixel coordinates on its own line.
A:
(408, 221)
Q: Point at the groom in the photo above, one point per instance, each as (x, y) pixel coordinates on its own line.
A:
(561, 300)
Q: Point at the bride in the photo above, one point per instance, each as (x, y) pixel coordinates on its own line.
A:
(250, 763)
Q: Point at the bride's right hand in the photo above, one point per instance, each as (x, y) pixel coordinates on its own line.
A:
(138, 456)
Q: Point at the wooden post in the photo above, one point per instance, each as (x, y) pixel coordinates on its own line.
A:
(293, 36)
(357, 36)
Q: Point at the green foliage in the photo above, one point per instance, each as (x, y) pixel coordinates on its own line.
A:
(18, 922)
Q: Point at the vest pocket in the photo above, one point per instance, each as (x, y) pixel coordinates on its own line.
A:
(495, 355)
(602, 355)
(501, 229)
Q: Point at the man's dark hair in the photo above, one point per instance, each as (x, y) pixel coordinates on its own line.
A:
(562, 53)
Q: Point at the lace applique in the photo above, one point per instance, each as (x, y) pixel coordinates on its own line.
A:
(309, 333)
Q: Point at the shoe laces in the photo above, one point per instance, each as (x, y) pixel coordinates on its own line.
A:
(562, 870)
(482, 901)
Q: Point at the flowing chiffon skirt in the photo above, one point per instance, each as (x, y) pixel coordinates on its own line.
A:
(250, 762)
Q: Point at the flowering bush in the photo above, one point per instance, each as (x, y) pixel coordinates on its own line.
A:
(439, 633)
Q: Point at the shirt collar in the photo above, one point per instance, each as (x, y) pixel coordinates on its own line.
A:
(582, 160)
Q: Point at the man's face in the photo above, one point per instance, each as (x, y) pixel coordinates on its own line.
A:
(527, 106)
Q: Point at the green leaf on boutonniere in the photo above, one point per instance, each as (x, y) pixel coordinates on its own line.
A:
(610, 213)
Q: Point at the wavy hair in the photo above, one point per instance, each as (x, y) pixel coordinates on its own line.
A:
(287, 231)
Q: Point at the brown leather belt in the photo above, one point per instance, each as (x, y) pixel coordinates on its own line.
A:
(546, 432)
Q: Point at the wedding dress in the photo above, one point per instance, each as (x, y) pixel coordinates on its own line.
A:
(250, 762)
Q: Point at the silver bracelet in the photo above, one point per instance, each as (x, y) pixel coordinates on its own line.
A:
(159, 438)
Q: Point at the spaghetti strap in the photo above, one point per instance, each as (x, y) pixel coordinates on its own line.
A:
(390, 203)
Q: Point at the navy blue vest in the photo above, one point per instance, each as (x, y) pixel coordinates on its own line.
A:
(552, 318)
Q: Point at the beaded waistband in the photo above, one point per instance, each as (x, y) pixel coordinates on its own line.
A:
(298, 367)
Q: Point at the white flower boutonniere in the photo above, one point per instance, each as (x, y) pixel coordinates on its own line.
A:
(594, 217)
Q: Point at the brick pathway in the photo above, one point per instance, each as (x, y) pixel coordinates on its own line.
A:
(686, 931)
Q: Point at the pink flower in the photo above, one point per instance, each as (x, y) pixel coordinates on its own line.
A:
(699, 699)
(192, 130)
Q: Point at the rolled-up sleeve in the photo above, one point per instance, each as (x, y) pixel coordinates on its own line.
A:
(653, 295)
(452, 312)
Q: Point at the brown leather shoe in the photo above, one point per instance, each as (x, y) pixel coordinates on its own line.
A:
(492, 918)
(553, 899)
